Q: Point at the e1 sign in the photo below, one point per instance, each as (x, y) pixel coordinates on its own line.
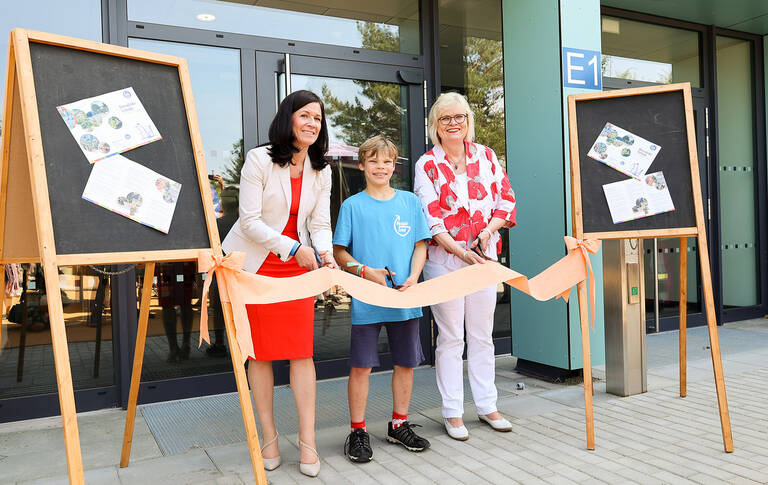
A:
(581, 69)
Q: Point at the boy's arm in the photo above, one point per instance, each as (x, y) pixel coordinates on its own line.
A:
(417, 264)
(343, 258)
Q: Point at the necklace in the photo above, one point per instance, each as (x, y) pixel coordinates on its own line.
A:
(455, 164)
(300, 170)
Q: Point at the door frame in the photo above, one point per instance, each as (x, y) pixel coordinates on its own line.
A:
(761, 204)
(708, 77)
(347, 62)
(271, 64)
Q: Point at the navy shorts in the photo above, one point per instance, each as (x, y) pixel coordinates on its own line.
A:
(404, 344)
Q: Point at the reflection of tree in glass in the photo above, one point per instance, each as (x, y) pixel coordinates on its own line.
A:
(231, 173)
(483, 61)
(377, 111)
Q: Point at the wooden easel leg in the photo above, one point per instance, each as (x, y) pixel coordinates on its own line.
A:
(244, 393)
(2, 304)
(586, 365)
(138, 360)
(683, 314)
(63, 374)
(714, 341)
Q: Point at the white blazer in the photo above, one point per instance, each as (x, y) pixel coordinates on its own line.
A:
(265, 201)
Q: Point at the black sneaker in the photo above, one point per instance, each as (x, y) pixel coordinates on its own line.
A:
(405, 436)
(358, 446)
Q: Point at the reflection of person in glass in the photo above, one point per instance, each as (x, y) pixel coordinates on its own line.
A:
(285, 190)
(467, 199)
(176, 284)
(229, 206)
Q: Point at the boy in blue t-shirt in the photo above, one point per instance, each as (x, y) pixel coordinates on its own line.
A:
(380, 236)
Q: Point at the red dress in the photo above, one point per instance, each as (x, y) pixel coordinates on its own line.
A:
(283, 330)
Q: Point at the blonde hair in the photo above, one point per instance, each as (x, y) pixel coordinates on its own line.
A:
(372, 146)
(443, 102)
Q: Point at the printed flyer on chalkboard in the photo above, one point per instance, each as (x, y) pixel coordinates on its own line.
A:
(133, 191)
(108, 124)
(624, 151)
(633, 199)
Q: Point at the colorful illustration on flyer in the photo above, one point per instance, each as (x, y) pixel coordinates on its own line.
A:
(169, 189)
(641, 205)
(657, 181)
(131, 201)
(68, 117)
(89, 142)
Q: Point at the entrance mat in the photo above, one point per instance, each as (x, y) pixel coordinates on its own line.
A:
(210, 421)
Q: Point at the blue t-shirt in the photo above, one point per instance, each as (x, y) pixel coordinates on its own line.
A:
(380, 233)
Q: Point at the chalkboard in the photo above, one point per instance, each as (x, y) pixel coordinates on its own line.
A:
(659, 116)
(64, 75)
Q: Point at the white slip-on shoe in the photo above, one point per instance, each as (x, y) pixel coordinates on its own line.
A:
(459, 433)
(270, 463)
(497, 424)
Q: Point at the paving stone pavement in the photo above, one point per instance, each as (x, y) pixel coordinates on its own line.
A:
(652, 438)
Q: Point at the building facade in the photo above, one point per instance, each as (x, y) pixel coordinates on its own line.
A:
(378, 66)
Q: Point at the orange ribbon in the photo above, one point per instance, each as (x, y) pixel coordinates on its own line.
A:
(226, 269)
(241, 288)
(586, 246)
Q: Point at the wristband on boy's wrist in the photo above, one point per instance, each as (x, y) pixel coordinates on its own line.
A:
(295, 248)
(362, 271)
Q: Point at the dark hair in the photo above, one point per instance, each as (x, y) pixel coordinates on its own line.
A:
(281, 139)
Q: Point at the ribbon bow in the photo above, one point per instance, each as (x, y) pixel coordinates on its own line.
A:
(226, 268)
(586, 246)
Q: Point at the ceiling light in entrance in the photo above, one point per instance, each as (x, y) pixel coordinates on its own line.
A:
(205, 17)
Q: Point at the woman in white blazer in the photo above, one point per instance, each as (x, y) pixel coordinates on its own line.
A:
(285, 230)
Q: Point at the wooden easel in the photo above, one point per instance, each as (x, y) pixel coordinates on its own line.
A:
(699, 232)
(27, 229)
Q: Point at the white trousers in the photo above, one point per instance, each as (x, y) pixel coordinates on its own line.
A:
(475, 313)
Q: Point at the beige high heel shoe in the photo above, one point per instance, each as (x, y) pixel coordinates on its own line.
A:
(271, 463)
(308, 469)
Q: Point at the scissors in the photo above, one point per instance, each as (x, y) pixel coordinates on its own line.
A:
(478, 249)
(392, 279)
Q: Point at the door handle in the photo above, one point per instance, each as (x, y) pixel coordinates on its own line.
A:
(287, 66)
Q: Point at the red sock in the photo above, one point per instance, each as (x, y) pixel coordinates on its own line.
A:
(398, 419)
(360, 425)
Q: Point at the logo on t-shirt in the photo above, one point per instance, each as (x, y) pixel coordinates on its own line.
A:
(402, 228)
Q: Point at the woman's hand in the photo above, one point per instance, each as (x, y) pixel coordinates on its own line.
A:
(410, 281)
(328, 260)
(305, 257)
(482, 237)
(469, 257)
(377, 275)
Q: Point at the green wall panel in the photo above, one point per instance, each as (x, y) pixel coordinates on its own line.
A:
(532, 96)
(580, 29)
(537, 139)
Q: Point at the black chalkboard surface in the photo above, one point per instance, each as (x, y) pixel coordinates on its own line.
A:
(659, 117)
(64, 75)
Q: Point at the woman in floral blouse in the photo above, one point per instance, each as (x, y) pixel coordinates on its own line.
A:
(466, 196)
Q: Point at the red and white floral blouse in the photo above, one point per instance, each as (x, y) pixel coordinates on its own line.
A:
(463, 216)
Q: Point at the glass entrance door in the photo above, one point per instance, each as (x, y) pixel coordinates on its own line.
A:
(361, 100)
(635, 54)
(661, 261)
(662, 256)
